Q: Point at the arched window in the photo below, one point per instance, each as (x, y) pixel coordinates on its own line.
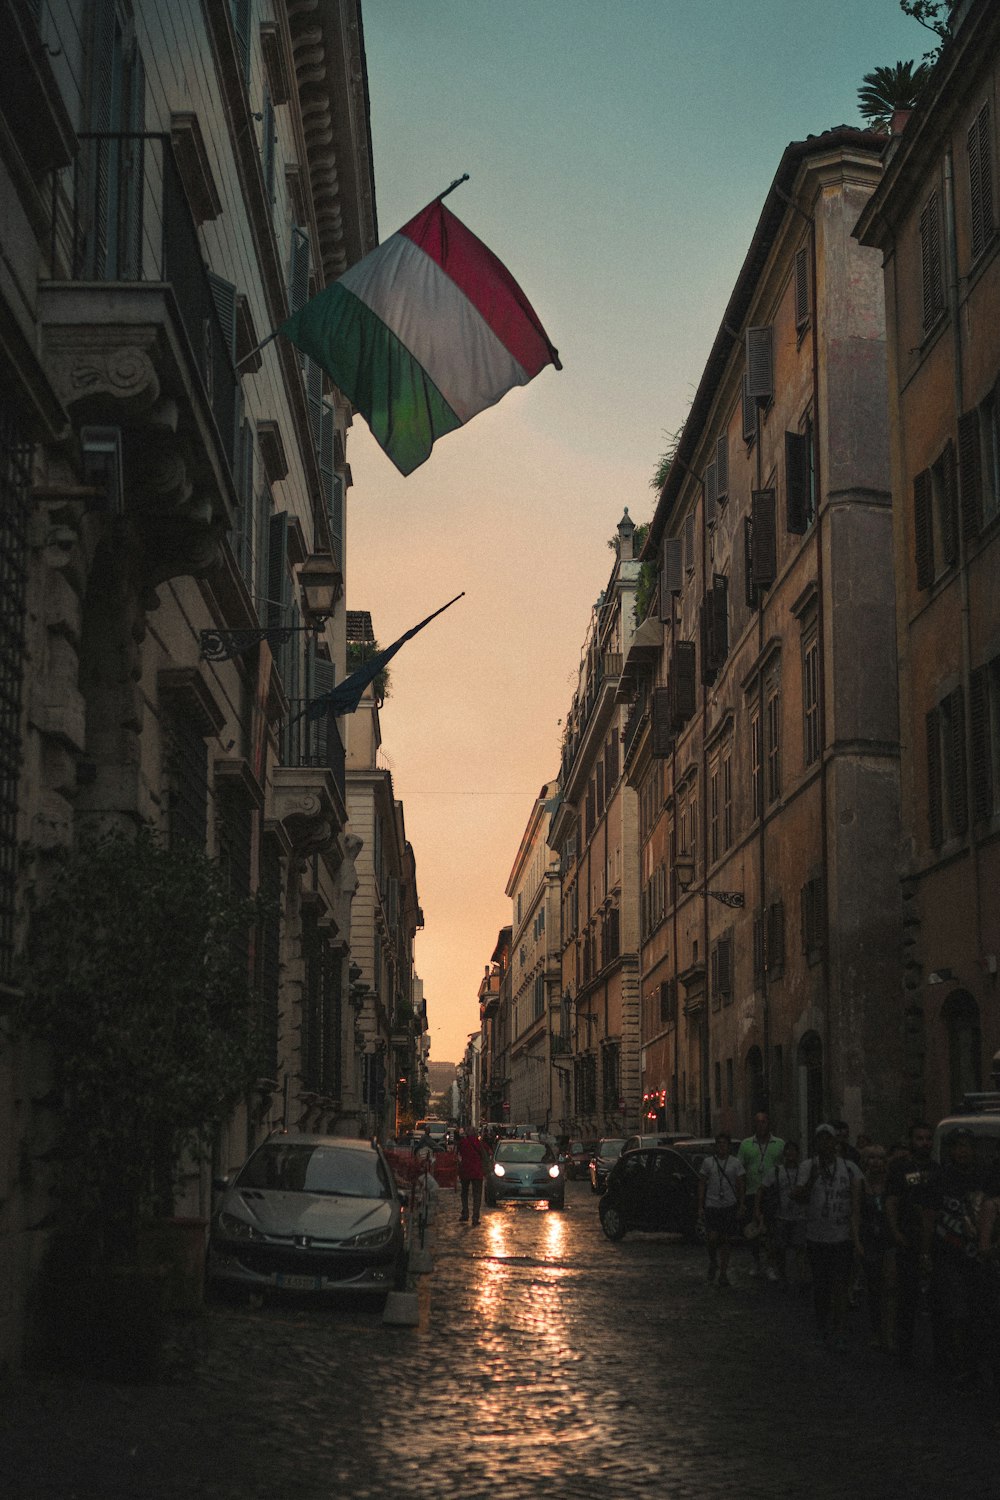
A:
(960, 1014)
(810, 1062)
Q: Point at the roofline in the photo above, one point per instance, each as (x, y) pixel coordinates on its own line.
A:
(772, 216)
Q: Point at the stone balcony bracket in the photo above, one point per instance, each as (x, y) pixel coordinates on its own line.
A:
(305, 801)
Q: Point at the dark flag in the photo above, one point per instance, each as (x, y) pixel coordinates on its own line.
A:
(345, 697)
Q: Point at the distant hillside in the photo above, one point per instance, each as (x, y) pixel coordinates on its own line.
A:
(440, 1075)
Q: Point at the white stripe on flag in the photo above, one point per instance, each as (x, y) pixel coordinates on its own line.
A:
(436, 322)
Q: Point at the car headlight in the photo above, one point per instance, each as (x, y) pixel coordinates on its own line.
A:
(370, 1239)
(238, 1229)
(498, 1169)
(554, 1171)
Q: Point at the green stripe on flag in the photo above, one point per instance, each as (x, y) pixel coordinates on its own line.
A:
(366, 361)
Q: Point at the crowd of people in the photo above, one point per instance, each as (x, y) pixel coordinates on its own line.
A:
(912, 1236)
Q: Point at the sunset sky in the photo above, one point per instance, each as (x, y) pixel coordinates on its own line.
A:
(619, 156)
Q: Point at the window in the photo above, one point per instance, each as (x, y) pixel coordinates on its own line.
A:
(538, 988)
(758, 951)
(979, 465)
(760, 365)
(714, 628)
(778, 1074)
(749, 413)
(681, 685)
(718, 1085)
(721, 961)
(714, 810)
(763, 541)
(269, 141)
(756, 780)
(947, 800)
(931, 262)
(689, 548)
(774, 940)
(241, 14)
(668, 1002)
(935, 517)
(730, 1088)
(801, 288)
(727, 799)
(722, 469)
(810, 700)
(980, 145)
(984, 708)
(800, 491)
(813, 918)
(773, 720)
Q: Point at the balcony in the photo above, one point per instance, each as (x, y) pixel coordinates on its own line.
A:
(310, 784)
(139, 342)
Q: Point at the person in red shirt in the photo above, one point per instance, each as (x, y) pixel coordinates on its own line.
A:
(470, 1172)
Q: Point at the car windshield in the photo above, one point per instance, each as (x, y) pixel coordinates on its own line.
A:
(293, 1167)
(529, 1151)
(610, 1148)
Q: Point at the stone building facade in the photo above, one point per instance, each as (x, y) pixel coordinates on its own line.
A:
(594, 831)
(537, 1089)
(762, 741)
(174, 179)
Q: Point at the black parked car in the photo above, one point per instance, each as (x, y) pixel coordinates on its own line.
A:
(654, 1189)
(605, 1155)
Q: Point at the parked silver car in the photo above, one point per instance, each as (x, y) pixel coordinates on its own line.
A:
(528, 1171)
(310, 1213)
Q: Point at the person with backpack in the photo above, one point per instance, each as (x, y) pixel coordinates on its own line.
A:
(721, 1197)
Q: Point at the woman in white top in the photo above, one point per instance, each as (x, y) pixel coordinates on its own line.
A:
(831, 1188)
(721, 1193)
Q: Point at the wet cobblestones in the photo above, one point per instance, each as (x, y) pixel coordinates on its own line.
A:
(547, 1361)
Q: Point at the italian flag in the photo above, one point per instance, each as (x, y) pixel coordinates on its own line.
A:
(422, 334)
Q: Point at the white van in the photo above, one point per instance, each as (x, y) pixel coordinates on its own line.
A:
(980, 1113)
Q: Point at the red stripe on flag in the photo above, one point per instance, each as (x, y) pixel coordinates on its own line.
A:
(486, 282)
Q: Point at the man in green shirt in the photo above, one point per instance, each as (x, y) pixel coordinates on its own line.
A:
(758, 1154)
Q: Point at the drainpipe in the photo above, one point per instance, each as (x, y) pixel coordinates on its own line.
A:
(954, 313)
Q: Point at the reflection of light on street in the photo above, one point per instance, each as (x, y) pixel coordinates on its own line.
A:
(555, 1234)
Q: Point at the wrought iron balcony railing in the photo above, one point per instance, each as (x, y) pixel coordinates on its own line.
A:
(315, 743)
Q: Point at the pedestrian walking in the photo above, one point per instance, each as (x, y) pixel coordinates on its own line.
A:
(956, 1278)
(830, 1187)
(471, 1172)
(758, 1154)
(788, 1236)
(721, 1200)
(875, 1244)
(844, 1147)
(910, 1204)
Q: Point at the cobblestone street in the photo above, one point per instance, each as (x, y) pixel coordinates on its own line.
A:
(548, 1361)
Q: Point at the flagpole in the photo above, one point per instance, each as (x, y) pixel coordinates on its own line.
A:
(457, 183)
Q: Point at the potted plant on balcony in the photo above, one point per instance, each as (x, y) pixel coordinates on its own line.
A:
(136, 982)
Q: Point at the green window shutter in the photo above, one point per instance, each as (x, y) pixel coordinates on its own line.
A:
(241, 11)
(298, 274)
(801, 288)
(949, 505)
(278, 581)
(931, 263)
(935, 822)
(722, 467)
(981, 182)
(269, 141)
(763, 539)
(662, 734)
(760, 364)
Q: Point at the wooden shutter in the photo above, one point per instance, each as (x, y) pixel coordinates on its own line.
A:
(935, 825)
(958, 795)
(981, 182)
(241, 10)
(931, 268)
(220, 362)
(671, 574)
(749, 412)
(763, 539)
(982, 765)
(662, 734)
(760, 366)
(750, 587)
(681, 684)
(313, 375)
(268, 143)
(949, 505)
(719, 607)
(801, 287)
(133, 173)
(970, 473)
(796, 481)
(758, 951)
(298, 278)
(245, 520)
(722, 468)
(705, 642)
(324, 680)
(327, 472)
(923, 533)
(689, 544)
(278, 581)
(711, 493)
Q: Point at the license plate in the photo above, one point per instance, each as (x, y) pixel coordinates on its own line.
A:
(299, 1283)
